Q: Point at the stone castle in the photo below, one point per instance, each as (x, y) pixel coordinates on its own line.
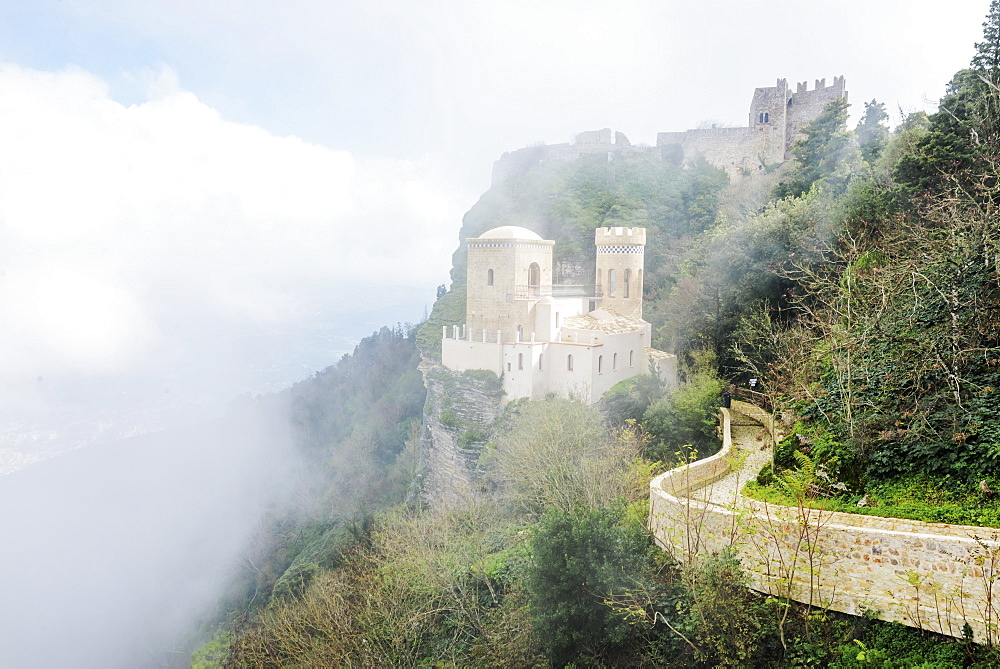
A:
(777, 116)
(542, 338)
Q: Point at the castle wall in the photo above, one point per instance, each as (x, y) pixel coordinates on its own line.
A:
(737, 150)
(600, 360)
(464, 354)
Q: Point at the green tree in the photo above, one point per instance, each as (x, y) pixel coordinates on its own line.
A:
(557, 453)
(872, 132)
(579, 560)
(822, 153)
(686, 416)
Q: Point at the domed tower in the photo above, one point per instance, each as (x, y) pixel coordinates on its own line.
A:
(509, 270)
(619, 269)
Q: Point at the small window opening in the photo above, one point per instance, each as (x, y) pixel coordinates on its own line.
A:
(557, 320)
(625, 282)
(539, 361)
(611, 283)
(763, 117)
(630, 359)
(489, 277)
(508, 366)
(520, 361)
(600, 364)
(614, 362)
(569, 362)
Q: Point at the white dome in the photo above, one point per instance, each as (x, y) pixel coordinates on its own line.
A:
(509, 232)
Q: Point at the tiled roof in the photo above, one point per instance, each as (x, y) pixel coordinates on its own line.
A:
(604, 320)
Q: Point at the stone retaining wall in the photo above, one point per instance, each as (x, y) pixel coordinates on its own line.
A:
(928, 575)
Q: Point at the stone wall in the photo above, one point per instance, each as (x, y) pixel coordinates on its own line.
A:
(737, 150)
(928, 575)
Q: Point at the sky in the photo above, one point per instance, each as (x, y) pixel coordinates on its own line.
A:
(204, 198)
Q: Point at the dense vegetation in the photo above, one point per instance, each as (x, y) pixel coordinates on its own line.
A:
(859, 282)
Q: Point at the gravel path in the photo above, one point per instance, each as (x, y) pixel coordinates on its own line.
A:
(751, 443)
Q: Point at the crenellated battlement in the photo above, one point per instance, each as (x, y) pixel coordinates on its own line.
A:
(620, 236)
(803, 86)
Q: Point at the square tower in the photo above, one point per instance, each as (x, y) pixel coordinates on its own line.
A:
(620, 257)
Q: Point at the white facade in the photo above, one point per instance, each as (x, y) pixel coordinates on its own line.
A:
(541, 338)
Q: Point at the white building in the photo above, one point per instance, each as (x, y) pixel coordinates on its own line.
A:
(541, 338)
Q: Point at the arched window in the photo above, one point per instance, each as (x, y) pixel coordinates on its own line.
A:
(611, 283)
(600, 364)
(569, 362)
(534, 274)
(489, 277)
(763, 117)
(520, 361)
(631, 359)
(614, 362)
(625, 282)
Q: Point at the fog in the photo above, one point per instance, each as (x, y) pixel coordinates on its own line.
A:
(111, 554)
(200, 201)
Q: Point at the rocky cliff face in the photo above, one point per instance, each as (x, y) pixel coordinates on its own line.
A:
(460, 414)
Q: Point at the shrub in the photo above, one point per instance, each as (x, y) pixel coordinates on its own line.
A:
(578, 560)
(449, 418)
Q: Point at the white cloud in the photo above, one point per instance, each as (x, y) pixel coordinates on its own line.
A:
(117, 222)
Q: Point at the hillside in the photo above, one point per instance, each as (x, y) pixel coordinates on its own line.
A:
(858, 283)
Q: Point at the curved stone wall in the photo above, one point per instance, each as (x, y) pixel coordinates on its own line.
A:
(929, 575)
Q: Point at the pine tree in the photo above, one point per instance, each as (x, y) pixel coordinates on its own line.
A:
(820, 152)
(871, 131)
(987, 58)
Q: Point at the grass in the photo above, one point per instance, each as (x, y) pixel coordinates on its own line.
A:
(918, 497)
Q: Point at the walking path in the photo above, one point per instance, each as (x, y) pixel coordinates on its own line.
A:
(751, 450)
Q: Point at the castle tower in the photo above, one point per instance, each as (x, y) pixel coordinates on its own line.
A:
(768, 120)
(619, 269)
(509, 270)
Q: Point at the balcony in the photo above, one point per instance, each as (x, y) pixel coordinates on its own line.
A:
(526, 292)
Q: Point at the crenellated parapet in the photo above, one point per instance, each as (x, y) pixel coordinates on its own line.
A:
(619, 236)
